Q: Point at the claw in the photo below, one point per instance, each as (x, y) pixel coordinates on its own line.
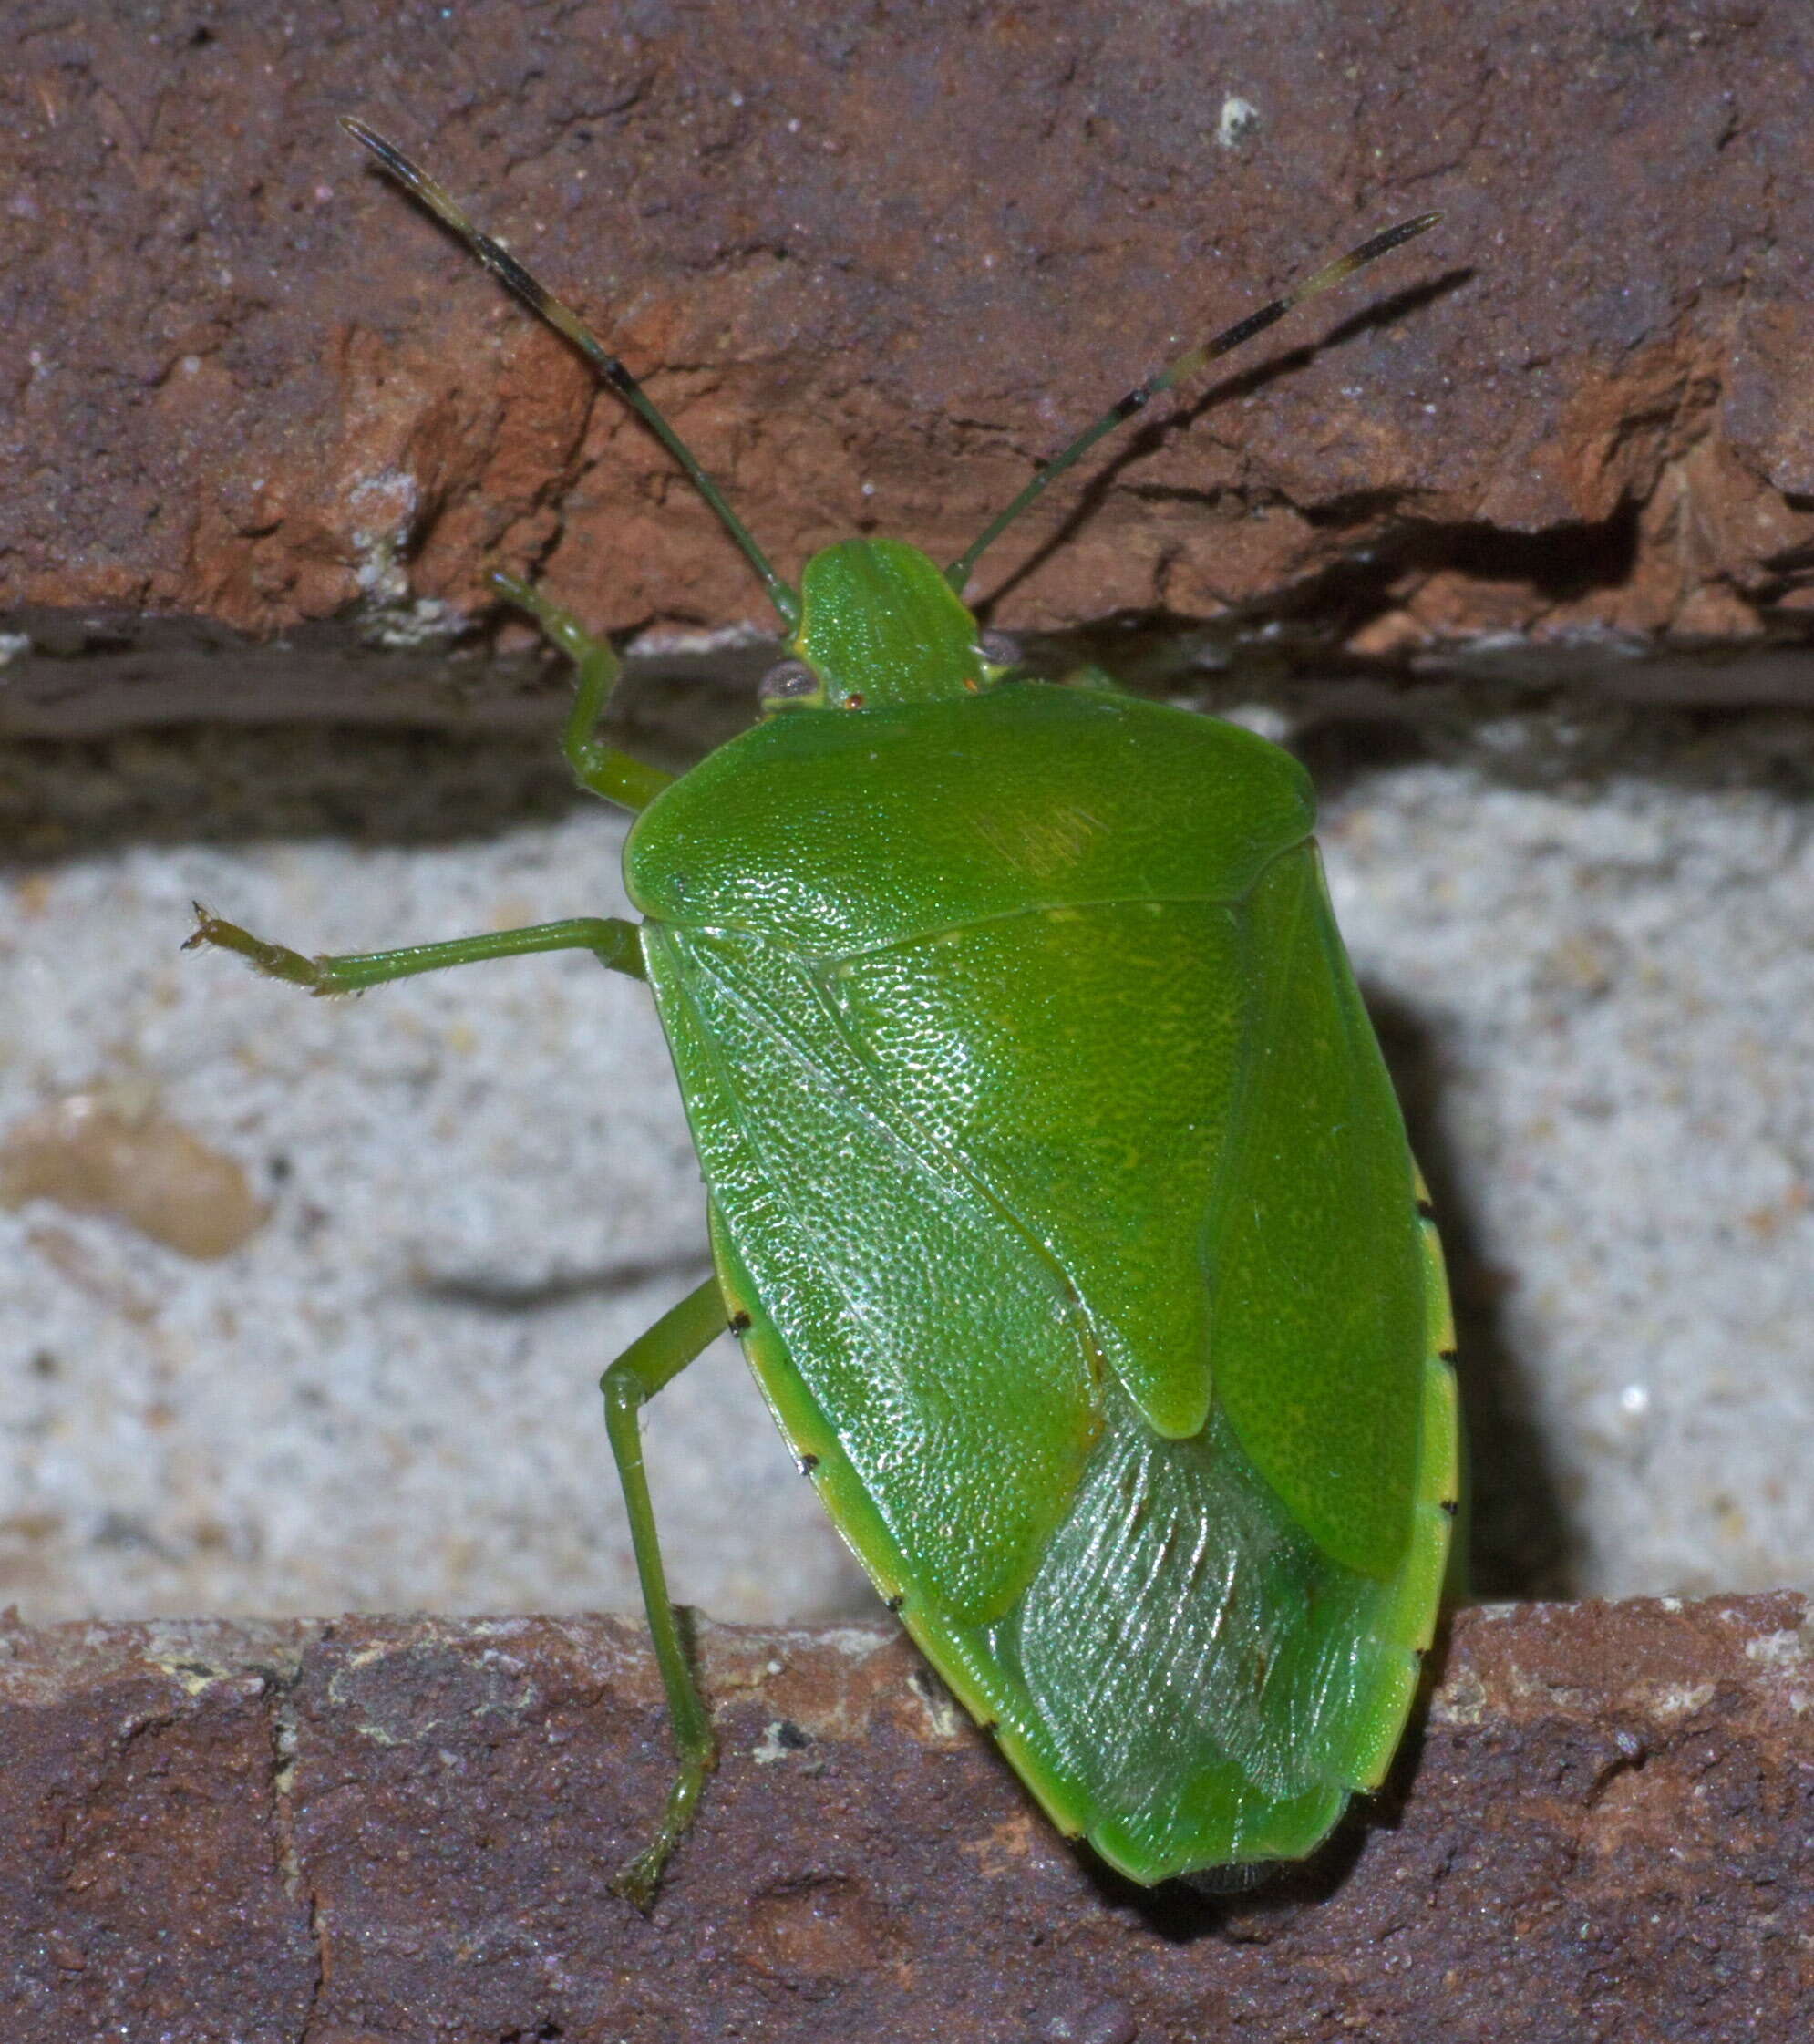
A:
(637, 1880)
(277, 961)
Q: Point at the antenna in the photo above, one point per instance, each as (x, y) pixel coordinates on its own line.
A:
(1187, 365)
(505, 268)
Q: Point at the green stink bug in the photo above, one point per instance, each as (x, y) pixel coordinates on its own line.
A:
(1058, 1189)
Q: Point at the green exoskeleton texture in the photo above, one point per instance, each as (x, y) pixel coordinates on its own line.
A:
(1057, 1192)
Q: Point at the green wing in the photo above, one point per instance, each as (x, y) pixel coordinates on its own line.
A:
(1182, 1102)
(885, 1270)
(1095, 1231)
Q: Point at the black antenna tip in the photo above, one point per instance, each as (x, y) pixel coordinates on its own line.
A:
(1409, 229)
(386, 152)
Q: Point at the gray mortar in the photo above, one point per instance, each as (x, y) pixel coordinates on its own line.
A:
(1599, 999)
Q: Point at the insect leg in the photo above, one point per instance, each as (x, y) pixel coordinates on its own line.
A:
(651, 1361)
(610, 939)
(601, 767)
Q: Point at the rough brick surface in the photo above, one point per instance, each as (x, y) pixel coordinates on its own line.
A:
(876, 262)
(404, 1828)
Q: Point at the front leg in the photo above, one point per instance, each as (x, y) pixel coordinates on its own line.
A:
(631, 783)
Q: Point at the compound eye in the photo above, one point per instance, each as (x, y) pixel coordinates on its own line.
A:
(788, 682)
